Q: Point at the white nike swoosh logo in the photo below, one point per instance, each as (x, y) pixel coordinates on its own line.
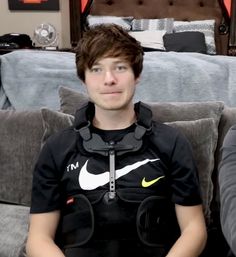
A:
(89, 181)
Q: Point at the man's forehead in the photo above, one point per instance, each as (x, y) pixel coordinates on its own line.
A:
(110, 60)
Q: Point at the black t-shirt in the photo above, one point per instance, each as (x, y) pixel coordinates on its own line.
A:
(167, 152)
(164, 166)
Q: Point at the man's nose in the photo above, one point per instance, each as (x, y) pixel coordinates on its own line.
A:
(110, 78)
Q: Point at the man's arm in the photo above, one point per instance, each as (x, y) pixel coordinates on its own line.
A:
(41, 235)
(193, 232)
(227, 186)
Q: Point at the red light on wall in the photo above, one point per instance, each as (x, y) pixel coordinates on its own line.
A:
(35, 5)
(228, 5)
(83, 5)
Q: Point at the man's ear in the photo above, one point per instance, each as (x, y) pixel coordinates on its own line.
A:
(137, 80)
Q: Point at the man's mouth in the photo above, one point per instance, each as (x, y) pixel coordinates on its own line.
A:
(111, 93)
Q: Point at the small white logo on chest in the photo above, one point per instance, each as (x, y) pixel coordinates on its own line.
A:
(72, 166)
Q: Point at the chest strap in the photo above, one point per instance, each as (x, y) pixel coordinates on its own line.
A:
(132, 142)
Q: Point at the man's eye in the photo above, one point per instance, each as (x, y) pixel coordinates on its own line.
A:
(121, 68)
(95, 69)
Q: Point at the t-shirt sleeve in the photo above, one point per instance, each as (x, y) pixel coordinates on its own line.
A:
(183, 174)
(45, 187)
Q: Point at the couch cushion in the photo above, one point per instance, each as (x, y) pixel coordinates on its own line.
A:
(20, 134)
(227, 120)
(54, 121)
(71, 100)
(14, 229)
(201, 133)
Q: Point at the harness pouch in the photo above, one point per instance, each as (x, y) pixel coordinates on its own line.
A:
(156, 222)
(128, 224)
(78, 222)
(114, 219)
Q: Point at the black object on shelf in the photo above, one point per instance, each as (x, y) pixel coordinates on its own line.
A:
(15, 41)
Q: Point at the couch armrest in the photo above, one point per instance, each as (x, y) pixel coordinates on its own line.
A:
(14, 229)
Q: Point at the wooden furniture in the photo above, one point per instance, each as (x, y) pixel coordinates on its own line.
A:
(232, 33)
(75, 21)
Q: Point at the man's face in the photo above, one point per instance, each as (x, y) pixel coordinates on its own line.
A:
(111, 83)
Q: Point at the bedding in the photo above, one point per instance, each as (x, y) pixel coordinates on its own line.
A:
(183, 11)
(31, 78)
(152, 32)
(165, 24)
(207, 27)
(150, 39)
(124, 22)
(188, 41)
(144, 30)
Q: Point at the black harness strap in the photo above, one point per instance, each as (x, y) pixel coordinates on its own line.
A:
(131, 142)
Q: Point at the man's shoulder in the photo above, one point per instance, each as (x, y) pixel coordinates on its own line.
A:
(60, 137)
(164, 128)
(164, 135)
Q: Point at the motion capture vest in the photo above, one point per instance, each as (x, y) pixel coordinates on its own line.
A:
(136, 218)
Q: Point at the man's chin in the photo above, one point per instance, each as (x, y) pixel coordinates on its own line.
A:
(112, 106)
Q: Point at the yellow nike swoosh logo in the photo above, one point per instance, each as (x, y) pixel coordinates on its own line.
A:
(151, 182)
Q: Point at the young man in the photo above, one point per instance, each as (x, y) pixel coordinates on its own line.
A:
(134, 187)
(227, 186)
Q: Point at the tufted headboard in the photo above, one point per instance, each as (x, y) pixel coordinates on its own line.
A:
(181, 10)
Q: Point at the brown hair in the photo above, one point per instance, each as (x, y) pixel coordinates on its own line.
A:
(107, 40)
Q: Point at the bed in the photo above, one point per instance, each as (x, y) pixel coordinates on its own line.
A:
(179, 10)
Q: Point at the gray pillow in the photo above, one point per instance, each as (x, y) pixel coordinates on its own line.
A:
(71, 100)
(207, 27)
(187, 41)
(153, 24)
(54, 121)
(20, 134)
(124, 22)
(201, 133)
(170, 111)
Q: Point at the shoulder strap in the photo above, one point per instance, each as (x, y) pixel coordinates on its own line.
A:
(144, 115)
(131, 142)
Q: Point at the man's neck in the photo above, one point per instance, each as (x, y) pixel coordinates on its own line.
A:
(114, 119)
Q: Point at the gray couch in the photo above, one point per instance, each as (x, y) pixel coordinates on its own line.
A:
(23, 131)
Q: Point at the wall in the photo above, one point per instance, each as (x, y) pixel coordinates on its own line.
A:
(26, 21)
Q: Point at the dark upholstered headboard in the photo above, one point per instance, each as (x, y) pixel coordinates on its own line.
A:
(182, 10)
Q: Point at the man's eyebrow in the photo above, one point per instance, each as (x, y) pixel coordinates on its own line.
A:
(121, 61)
(96, 63)
(115, 62)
